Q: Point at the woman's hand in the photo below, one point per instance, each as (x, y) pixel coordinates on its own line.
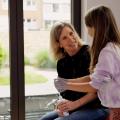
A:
(60, 113)
(66, 105)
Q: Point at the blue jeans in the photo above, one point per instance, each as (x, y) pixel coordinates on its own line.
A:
(82, 114)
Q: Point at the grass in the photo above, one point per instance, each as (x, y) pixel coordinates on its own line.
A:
(30, 78)
(35, 78)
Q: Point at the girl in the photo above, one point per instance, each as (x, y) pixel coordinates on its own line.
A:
(105, 61)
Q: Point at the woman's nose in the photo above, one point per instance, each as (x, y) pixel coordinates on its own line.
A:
(70, 38)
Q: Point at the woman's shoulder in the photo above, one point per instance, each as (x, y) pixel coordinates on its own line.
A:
(85, 47)
(62, 61)
(85, 50)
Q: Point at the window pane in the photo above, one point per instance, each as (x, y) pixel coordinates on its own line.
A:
(40, 68)
(4, 62)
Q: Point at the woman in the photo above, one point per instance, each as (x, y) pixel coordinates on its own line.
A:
(73, 61)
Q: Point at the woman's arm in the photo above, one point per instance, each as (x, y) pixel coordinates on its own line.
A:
(86, 99)
(72, 105)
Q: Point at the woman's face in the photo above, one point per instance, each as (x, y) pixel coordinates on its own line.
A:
(68, 40)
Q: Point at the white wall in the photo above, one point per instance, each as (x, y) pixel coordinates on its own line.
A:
(113, 4)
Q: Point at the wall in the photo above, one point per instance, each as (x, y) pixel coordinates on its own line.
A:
(87, 4)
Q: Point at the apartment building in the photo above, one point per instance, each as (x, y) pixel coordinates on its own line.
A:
(38, 14)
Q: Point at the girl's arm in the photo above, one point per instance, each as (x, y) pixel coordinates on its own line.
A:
(81, 79)
(80, 87)
(61, 85)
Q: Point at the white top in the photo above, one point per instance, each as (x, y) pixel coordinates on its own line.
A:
(106, 78)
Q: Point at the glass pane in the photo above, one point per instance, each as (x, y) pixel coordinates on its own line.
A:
(40, 68)
(4, 62)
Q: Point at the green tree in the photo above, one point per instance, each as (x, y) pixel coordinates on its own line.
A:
(43, 60)
(2, 55)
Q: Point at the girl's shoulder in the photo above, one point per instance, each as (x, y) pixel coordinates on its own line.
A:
(112, 49)
(109, 47)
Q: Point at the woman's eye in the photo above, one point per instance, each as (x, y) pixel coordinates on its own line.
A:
(64, 38)
(71, 33)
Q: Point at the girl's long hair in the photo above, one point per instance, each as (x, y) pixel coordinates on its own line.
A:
(102, 20)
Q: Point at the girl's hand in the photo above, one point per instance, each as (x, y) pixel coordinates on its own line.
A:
(60, 84)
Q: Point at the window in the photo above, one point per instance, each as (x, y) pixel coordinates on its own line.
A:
(16, 61)
(4, 4)
(4, 61)
(55, 7)
(30, 5)
(39, 65)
